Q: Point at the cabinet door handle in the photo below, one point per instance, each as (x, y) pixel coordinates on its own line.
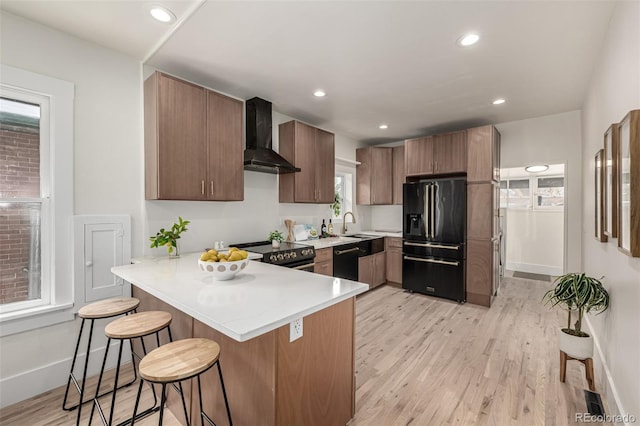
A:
(432, 246)
(202, 188)
(443, 262)
(307, 265)
(211, 187)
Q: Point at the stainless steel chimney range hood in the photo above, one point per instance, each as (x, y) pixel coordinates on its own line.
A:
(259, 155)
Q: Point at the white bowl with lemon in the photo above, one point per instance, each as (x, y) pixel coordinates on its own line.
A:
(221, 265)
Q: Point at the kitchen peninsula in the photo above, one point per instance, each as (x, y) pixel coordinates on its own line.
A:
(269, 380)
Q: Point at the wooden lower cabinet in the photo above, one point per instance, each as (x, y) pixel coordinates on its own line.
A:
(324, 262)
(269, 380)
(372, 269)
(393, 249)
(483, 271)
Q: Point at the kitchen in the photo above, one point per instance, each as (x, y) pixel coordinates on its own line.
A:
(111, 83)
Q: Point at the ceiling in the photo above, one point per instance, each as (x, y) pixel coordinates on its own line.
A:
(391, 62)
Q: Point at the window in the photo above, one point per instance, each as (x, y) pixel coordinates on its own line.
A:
(36, 199)
(537, 193)
(22, 201)
(343, 196)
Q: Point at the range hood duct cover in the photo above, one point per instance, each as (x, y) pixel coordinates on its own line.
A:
(259, 155)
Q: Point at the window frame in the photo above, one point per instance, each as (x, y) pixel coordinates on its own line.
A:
(349, 174)
(57, 195)
(533, 188)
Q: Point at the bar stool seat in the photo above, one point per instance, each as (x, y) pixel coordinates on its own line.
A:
(137, 325)
(178, 361)
(102, 309)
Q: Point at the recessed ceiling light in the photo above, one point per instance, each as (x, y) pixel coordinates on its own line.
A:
(162, 14)
(384, 126)
(319, 93)
(499, 101)
(468, 40)
(536, 169)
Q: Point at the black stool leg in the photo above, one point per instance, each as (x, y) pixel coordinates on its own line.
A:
(115, 385)
(163, 399)
(95, 398)
(71, 377)
(84, 373)
(224, 393)
(184, 404)
(135, 407)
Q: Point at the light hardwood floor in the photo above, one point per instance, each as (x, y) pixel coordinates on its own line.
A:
(426, 361)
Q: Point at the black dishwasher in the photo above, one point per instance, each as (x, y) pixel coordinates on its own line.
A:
(345, 261)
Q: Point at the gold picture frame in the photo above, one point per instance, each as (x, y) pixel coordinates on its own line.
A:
(610, 183)
(600, 210)
(629, 185)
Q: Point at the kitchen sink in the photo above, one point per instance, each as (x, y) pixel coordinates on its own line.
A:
(363, 236)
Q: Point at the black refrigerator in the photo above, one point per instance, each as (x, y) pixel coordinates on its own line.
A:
(434, 233)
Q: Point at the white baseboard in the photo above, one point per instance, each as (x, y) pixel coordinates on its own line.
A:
(44, 378)
(619, 409)
(534, 269)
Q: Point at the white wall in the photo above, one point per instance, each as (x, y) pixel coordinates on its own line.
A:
(552, 139)
(109, 179)
(107, 167)
(534, 241)
(614, 90)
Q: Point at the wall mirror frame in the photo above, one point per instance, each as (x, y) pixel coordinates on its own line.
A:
(600, 192)
(629, 185)
(610, 184)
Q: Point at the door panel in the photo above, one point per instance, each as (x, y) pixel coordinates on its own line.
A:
(305, 158)
(450, 153)
(325, 167)
(435, 277)
(414, 225)
(450, 211)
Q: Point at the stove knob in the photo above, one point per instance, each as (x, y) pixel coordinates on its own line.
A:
(293, 255)
(280, 256)
(273, 258)
(287, 255)
(305, 252)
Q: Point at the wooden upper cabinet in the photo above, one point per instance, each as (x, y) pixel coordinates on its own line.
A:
(436, 155)
(450, 153)
(325, 166)
(193, 142)
(225, 153)
(483, 158)
(418, 156)
(313, 151)
(174, 113)
(374, 176)
(398, 174)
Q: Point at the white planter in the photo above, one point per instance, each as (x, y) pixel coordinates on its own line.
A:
(275, 244)
(576, 347)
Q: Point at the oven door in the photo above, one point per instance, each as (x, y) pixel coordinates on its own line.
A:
(302, 265)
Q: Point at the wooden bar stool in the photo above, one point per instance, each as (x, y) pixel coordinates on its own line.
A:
(103, 309)
(179, 361)
(588, 369)
(138, 325)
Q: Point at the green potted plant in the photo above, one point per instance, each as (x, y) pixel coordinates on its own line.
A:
(276, 238)
(170, 237)
(579, 294)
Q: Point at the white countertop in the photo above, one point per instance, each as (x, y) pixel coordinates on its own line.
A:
(259, 299)
(336, 241)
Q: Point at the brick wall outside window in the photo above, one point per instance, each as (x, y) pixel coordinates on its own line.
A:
(19, 177)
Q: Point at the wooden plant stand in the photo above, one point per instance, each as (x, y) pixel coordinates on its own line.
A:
(588, 368)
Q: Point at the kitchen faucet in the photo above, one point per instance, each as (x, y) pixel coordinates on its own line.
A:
(344, 221)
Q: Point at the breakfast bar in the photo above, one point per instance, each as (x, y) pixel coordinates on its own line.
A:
(270, 380)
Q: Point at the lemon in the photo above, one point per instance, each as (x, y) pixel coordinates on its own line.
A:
(235, 256)
(244, 254)
(214, 252)
(204, 257)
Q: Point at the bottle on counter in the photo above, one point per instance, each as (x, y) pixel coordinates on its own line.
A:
(330, 228)
(323, 229)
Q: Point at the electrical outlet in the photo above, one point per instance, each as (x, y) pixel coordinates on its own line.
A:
(295, 329)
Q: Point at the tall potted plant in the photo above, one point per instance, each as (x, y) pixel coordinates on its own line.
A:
(579, 294)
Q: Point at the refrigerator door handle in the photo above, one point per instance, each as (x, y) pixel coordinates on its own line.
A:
(432, 213)
(443, 262)
(426, 210)
(432, 246)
